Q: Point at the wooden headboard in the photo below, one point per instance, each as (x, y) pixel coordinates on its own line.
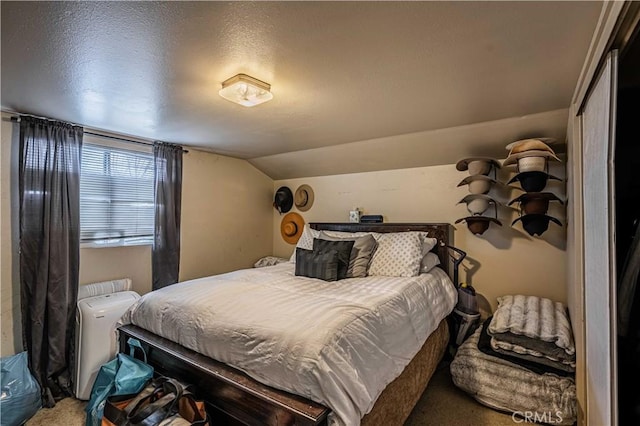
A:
(443, 232)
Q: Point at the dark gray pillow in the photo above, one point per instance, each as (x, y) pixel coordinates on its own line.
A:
(361, 253)
(343, 247)
(317, 265)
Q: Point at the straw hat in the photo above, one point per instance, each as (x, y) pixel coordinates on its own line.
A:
(304, 198)
(513, 158)
(291, 227)
(529, 145)
(478, 224)
(478, 184)
(535, 202)
(526, 144)
(532, 164)
(477, 165)
(283, 199)
(478, 203)
(536, 224)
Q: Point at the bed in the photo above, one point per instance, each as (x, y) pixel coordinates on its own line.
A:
(369, 348)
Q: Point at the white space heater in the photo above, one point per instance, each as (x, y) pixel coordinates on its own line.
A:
(96, 320)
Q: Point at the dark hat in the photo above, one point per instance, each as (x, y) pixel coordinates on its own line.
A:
(477, 203)
(478, 184)
(283, 199)
(535, 202)
(478, 224)
(477, 165)
(532, 181)
(536, 224)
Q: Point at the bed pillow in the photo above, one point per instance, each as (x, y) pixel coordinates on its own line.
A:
(352, 235)
(361, 253)
(342, 247)
(306, 240)
(322, 265)
(427, 243)
(398, 254)
(429, 261)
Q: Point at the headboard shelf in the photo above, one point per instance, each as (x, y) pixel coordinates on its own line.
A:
(443, 232)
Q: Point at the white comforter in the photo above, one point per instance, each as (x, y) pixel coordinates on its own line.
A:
(337, 343)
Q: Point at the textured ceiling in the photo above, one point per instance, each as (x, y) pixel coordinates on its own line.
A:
(340, 71)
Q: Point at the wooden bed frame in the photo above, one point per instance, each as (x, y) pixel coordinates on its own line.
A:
(233, 398)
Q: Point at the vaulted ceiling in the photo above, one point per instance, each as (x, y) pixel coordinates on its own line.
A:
(341, 72)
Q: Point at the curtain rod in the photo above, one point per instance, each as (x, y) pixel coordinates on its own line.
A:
(16, 119)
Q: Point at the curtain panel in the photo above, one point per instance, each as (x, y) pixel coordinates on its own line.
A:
(168, 200)
(49, 187)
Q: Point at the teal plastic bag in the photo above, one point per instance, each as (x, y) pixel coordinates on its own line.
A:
(122, 375)
(20, 398)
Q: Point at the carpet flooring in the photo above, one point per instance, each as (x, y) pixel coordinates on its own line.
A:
(442, 404)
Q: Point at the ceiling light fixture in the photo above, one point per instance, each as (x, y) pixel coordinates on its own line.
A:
(246, 90)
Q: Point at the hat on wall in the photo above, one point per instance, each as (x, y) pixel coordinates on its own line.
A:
(477, 165)
(531, 143)
(303, 198)
(535, 202)
(532, 164)
(532, 181)
(478, 224)
(283, 199)
(478, 184)
(291, 227)
(513, 158)
(536, 224)
(478, 203)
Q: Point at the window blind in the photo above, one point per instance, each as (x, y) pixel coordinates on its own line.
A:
(116, 196)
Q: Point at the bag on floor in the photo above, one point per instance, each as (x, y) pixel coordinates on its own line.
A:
(163, 402)
(123, 375)
(20, 398)
(191, 411)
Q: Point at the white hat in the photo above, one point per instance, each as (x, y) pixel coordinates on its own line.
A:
(532, 164)
(478, 184)
(477, 165)
(513, 158)
(477, 203)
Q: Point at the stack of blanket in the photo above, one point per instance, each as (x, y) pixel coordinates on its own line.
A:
(522, 360)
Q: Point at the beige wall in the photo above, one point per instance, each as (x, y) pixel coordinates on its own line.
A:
(105, 264)
(503, 260)
(226, 217)
(226, 225)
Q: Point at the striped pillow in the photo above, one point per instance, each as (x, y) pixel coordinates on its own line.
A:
(322, 265)
(343, 247)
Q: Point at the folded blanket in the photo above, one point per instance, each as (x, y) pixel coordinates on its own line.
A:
(537, 324)
(567, 363)
(506, 386)
(530, 363)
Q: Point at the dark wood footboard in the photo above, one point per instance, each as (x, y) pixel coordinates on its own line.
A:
(232, 397)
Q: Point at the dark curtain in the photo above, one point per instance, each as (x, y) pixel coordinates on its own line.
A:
(49, 186)
(168, 198)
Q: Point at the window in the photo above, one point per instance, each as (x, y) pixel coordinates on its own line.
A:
(116, 196)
